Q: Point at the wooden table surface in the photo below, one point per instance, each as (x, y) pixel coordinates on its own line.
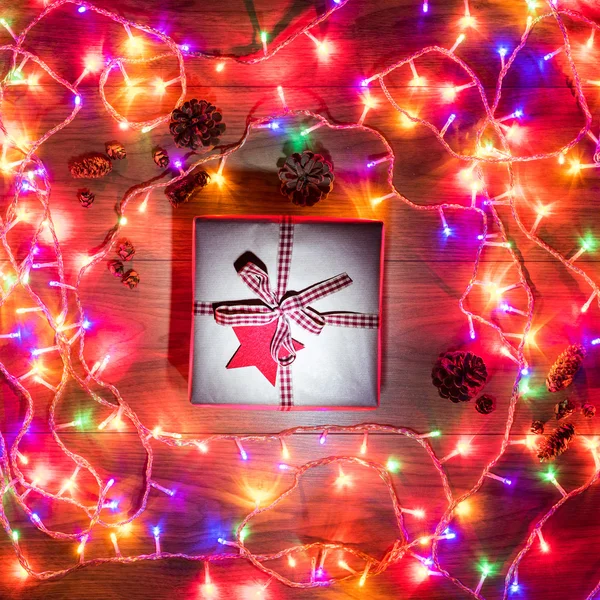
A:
(146, 331)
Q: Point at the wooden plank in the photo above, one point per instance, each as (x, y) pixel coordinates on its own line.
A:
(424, 173)
(149, 350)
(400, 29)
(146, 331)
(215, 491)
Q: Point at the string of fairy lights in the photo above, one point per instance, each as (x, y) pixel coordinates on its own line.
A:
(20, 161)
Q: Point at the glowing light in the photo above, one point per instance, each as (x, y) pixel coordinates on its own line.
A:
(220, 66)
(449, 93)
(553, 54)
(343, 480)
(123, 125)
(467, 21)
(502, 51)
(392, 465)
(123, 220)
(463, 448)
(263, 40)
(241, 450)
(459, 40)
(81, 9)
(486, 570)
(365, 443)
(406, 121)
(464, 508)
(285, 453)
(135, 44)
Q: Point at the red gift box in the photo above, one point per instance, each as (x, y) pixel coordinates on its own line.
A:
(286, 312)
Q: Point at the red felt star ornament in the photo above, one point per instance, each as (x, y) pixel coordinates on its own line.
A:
(255, 349)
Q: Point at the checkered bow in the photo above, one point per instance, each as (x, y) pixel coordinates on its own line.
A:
(281, 305)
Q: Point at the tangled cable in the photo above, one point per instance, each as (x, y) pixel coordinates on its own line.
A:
(31, 176)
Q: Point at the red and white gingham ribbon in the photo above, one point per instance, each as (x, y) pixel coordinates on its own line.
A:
(282, 306)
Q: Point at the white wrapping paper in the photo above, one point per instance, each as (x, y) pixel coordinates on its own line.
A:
(339, 368)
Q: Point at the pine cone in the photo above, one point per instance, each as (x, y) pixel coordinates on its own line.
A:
(588, 410)
(131, 279)
(126, 250)
(116, 268)
(91, 166)
(565, 408)
(86, 197)
(161, 158)
(306, 178)
(556, 443)
(485, 404)
(459, 375)
(181, 190)
(195, 123)
(564, 369)
(537, 427)
(116, 150)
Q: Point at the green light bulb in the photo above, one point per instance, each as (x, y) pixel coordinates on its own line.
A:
(392, 465)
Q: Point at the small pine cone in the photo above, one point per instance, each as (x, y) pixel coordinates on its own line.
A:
(126, 250)
(485, 404)
(86, 197)
(90, 166)
(161, 158)
(537, 427)
(131, 279)
(459, 375)
(588, 410)
(565, 408)
(116, 150)
(306, 178)
(556, 443)
(116, 268)
(180, 191)
(195, 123)
(565, 368)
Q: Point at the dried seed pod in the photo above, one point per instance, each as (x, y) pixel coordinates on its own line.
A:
(131, 279)
(86, 197)
(459, 376)
(116, 268)
(565, 368)
(588, 410)
(537, 427)
(485, 404)
(126, 250)
(556, 443)
(116, 150)
(196, 123)
(306, 178)
(181, 191)
(161, 158)
(565, 408)
(90, 166)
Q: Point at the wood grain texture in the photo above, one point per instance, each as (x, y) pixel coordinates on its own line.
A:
(147, 330)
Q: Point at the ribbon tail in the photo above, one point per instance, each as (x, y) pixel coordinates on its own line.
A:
(357, 320)
(286, 394)
(283, 340)
(204, 308)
